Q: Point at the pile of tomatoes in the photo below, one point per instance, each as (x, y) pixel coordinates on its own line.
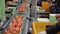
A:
(26, 0)
(15, 26)
(22, 8)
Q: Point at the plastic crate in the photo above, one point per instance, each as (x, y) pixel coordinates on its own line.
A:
(45, 5)
(9, 22)
(53, 18)
(38, 27)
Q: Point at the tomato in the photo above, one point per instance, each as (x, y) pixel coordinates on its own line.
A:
(14, 28)
(7, 32)
(20, 9)
(16, 16)
(21, 17)
(14, 20)
(18, 29)
(10, 29)
(4, 32)
(24, 6)
(19, 20)
(14, 24)
(24, 10)
(14, 32)
(26, 0)
(19, 24)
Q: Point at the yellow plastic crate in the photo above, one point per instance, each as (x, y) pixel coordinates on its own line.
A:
(45, 5)
(39, 26)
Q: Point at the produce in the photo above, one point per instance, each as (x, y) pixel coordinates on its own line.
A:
(16, 17)
(10, 29)
(58, 16)
(14, 32)
(21, 17)
(22, 8)
(19, 24)
(17, 29)
(7, 32)
(15, 26)
(23, 5)
(26, 0)
(14, 22)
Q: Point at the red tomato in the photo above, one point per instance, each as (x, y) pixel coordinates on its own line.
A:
(21, 17)
(7, 32)
(24, 5)
(4, 32)
(26, 0)
(14, 24)
(14, 32)
(16, 16)
(24, 10)
(19, 20)
(20, 9)
(10, 29)
(19, 24)
(18, 29)
(14, 27)
(14, 20)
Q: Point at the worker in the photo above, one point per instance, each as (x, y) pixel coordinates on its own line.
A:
(54, 29)
(58, 6)
(39, 2)
(53, 8)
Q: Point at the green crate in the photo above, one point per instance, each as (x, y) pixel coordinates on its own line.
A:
(53, 18)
